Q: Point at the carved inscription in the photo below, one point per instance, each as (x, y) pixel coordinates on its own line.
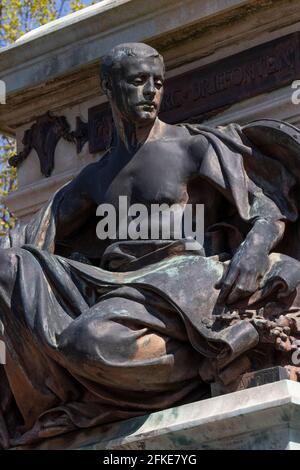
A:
(232, 79)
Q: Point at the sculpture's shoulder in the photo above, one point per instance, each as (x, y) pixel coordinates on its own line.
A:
(196, 143)
(96, 166)
(90, 173)
(184, 134)
(176, 131)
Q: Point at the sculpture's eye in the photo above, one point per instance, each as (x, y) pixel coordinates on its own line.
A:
(158, 83)
(139, 80)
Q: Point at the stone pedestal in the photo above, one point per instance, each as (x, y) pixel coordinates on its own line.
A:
(260, 418)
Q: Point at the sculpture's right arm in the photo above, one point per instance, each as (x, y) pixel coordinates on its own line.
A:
(76, 206)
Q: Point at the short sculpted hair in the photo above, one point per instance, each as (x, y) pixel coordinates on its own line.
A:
(112, 61)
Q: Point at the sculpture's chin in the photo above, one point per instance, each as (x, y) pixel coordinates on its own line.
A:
(145, 116)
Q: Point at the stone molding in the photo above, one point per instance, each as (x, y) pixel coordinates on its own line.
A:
(260, 418)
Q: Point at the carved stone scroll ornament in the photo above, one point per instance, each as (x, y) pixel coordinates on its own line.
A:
(80, 134)
(43, 137)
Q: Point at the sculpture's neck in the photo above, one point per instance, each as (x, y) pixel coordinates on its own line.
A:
(133, 135)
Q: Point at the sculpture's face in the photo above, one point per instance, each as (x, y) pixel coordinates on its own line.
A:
(137, 88)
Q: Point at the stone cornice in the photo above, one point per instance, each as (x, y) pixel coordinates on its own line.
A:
(82, 38)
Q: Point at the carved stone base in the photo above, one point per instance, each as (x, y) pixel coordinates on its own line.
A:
(264, 417)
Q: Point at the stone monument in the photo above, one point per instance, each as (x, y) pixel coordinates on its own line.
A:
(103, 329)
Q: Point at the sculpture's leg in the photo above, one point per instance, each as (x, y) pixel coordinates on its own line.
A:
(36, 381)
(122, 357)
(125, 344)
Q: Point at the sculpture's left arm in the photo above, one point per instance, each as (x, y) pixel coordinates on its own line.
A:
(250, 261)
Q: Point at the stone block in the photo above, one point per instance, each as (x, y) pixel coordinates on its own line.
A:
(260, 418)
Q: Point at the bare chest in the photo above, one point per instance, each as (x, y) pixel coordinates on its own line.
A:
(158, 173)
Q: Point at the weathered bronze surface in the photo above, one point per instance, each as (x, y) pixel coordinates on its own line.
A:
(98, 331)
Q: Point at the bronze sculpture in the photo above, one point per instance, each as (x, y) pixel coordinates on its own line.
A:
(101, 331)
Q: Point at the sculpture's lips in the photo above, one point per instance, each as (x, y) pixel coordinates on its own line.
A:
(150, 104)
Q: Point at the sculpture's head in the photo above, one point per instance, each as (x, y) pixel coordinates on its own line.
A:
(132, 77)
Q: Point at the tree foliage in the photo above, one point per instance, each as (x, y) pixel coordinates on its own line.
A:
(16, 18)
(20, 16)
(8, 181)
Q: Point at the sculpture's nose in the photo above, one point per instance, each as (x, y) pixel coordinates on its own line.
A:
(149, 89)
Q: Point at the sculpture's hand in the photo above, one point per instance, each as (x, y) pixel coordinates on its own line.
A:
(242, 278)
(251, 261)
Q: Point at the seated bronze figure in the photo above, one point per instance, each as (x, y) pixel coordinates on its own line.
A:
(98, 331)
